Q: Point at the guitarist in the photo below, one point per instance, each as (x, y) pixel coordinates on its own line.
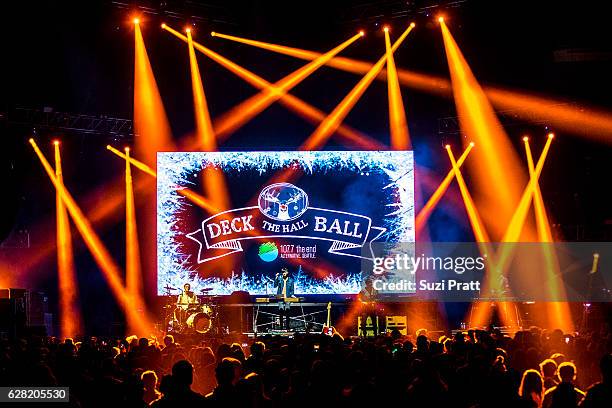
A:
(368, 297)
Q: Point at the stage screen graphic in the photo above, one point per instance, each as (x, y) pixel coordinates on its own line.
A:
(315, 213)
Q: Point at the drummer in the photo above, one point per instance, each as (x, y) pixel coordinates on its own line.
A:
(187, 298)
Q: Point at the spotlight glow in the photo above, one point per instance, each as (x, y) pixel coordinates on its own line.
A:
(525, 139)
(136, 21)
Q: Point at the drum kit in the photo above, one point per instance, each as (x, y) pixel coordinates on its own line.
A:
(199, 318)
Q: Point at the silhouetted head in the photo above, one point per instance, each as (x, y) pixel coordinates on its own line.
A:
(149, 379)
(567, 372)
(258, 348)
(182, 373)
(531, 383)
(168, 340)
(548, 368)
(228, 371)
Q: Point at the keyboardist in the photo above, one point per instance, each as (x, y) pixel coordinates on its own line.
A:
(285, 285)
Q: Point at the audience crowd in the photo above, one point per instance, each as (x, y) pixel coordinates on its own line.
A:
(534, 368)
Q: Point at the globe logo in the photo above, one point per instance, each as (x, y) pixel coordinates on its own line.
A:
(283, 201)
(268, 251)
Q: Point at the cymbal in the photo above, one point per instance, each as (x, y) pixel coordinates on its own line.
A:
(206, 289)
(169, 288)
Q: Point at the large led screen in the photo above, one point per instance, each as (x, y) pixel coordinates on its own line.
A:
(230, 221)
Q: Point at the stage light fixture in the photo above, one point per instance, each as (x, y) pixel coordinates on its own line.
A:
(212, 33)
(440, 19)
(56, 142)
(472, 144)
(447, 146)
(386, 29)
(126, 148)
(551, 135)
(361, 33)
(136, 21)
(187, 30)
(525, 139)
(412, 24)
(163, 25)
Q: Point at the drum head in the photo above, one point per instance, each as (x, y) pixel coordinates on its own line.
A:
(200, 322)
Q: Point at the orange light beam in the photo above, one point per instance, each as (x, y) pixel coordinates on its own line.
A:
(420, 81)
(100, 254)
(400, 137)
(133, 269)
(513, 231)
(187, 193)
(212, 178)
(590, 122)
(544, 232)
(559, 312)
(136, 163)
(477, 226)
(71, 323)
(423, 215)
(205, 132)
(326, 128)
(239, 115)
(495, 152)
(293, 103)
(517, 221)
(150, 121)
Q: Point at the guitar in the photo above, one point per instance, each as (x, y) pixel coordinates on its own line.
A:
(328, 329)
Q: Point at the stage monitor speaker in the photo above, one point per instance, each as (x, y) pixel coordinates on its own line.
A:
(399, 323)
(369, 327)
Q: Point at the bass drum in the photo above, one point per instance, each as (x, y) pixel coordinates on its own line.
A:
(201, 321)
